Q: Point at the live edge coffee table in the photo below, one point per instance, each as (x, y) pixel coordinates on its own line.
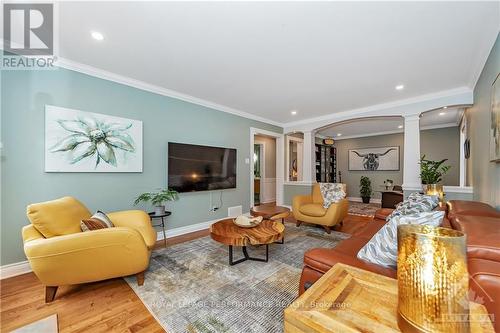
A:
(228, 233)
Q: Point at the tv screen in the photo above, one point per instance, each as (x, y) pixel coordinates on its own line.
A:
(200, 168)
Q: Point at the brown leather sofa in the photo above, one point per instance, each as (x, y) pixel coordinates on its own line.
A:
(479, 221)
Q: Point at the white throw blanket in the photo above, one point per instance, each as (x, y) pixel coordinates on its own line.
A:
(332, 193)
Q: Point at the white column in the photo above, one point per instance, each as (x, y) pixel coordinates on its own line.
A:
(411, 165)
(308, 156)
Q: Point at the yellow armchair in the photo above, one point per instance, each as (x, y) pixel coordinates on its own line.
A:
(60, 254)
(309, 208)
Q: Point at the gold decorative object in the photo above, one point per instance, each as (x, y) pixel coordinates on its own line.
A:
(433, 281)
(329, 141)
(434, 189)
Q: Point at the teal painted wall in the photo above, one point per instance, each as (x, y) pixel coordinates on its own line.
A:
(24, 96)
(482, 174)
(292, 190)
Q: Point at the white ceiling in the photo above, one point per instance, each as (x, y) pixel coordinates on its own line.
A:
(268, 58)
(388, 125)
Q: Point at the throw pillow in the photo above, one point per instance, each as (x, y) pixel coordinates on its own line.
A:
(415, 203)
(331, 192)
(382, 249)
(98, 221)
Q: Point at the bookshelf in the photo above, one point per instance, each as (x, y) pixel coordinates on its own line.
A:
(326, 164)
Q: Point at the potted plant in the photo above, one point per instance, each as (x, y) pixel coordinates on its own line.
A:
(431, 174)
(158, 199)
(365, 189)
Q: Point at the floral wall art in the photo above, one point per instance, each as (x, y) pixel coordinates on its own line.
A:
(78, 141)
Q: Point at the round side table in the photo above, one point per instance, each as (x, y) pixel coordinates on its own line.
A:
(152, 216)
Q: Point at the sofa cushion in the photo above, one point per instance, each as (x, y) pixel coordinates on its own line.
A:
(313, 209)
(382, 249)
(415, 203)
(57, 217)
(483, 236)
(370, 229)
(474, 208)
(323, 259)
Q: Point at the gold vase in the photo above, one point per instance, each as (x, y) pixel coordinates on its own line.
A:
(433, 280)
(434, 189)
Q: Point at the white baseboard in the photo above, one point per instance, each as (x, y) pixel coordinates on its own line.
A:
(358, 199)
(15, 269)
(187, 229)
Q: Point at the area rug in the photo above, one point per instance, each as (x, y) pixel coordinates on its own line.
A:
(362, 209)
(45, 325)
(190, 287)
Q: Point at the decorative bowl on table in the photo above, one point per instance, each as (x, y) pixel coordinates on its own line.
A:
(247, 222)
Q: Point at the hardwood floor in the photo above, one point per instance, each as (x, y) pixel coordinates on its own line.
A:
(107, 306)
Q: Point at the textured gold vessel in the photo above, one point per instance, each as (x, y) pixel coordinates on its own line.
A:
(433, 280)
(434, 189)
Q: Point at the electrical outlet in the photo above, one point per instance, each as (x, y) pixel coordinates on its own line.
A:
(214, 209)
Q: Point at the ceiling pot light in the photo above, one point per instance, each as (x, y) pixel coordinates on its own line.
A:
(400, 126)
(442, 113)
(339, 134)
(400, 87)
(97, 35)
(293, 112)
(445, 107)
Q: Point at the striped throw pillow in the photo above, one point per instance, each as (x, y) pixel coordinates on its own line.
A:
(98, 221)
(382, 249)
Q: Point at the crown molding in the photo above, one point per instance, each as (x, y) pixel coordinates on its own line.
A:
(398, 131)
(110, 76)
(461, 93)
(481, 62)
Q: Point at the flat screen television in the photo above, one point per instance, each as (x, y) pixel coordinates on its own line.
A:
(200, 168)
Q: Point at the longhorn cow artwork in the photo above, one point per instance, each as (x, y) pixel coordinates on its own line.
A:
(374, 159)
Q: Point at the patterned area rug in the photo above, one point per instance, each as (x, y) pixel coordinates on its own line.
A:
(190, 287)
(362, 209)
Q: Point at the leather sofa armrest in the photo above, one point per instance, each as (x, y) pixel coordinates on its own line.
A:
(138, 220)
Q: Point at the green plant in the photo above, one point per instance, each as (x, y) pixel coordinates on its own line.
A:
(431, 172)
(158, 198)
(365, 187)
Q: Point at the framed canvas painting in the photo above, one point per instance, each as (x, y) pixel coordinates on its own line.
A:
(374, 159)
(78, 141)
(495, 121)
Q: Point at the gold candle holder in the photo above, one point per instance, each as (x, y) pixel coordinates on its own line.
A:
(434, 189)
(433, 281)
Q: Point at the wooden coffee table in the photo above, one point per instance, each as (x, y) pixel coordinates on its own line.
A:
(228, 233)
(268, 211)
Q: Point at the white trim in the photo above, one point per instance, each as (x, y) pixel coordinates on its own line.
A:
(481, 62)
(15, 269)
(280, 167)
(461, 96)
(458, 189)
(110, 76)
(300, 183)
(423, 128)
(358, 199)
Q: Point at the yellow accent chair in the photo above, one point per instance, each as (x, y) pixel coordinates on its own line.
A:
(61, 254)
(309, 209)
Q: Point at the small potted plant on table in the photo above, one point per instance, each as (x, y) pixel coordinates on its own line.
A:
(158, 199)
(365, 189)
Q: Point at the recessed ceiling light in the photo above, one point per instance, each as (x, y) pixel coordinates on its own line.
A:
(339, 134)
(293, 112)
(97, 35)
(442, 113)
(400, 87)
(400, 126)
(445, 107)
